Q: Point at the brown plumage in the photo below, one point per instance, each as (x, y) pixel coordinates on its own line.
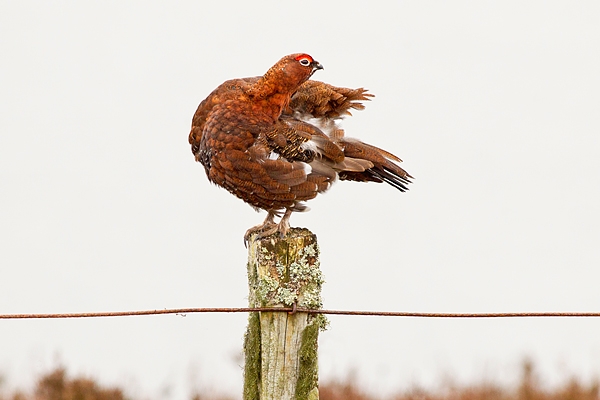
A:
(273, 141)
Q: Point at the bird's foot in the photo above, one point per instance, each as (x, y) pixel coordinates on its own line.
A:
(261, 231)
(269, 227)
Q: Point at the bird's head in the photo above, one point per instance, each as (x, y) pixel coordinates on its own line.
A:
(283, 79)
(302, 65)
(289, 73)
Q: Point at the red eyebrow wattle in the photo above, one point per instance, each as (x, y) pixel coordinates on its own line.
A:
(301, 56)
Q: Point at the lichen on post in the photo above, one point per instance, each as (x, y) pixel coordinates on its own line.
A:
(281, 348)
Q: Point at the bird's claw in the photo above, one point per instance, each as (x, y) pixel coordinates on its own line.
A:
(261, 231)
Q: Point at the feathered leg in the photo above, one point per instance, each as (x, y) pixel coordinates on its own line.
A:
(284, 225)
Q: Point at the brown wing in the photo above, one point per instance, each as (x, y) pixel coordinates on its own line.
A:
(321, 100)
(308, 143)
(327, 103)
(385, 165)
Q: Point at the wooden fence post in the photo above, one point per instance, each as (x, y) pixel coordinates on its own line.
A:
(280, 348)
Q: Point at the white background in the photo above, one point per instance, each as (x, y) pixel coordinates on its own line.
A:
(494, 107)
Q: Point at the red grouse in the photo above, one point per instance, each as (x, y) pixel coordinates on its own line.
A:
(273, 141)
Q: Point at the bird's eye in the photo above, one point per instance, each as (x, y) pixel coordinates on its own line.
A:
(304, 61)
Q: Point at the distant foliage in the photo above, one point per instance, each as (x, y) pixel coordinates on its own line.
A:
(529, 388)
(57, 386)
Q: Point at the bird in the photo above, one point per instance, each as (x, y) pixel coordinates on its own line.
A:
(275, 141)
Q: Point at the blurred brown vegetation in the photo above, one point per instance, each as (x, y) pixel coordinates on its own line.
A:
(529, 388)
(57, 386)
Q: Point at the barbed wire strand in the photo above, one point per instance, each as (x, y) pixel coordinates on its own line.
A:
(184, 311)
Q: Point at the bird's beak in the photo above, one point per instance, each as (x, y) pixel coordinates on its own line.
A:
(315, 66)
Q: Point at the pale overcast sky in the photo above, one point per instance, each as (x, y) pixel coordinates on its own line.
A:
(493, 106)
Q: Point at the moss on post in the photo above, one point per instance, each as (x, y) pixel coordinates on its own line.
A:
(252, 358)
(281, 348)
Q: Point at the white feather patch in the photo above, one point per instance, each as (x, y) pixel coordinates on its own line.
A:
(307, 168)
(328, 126)
(310, 145)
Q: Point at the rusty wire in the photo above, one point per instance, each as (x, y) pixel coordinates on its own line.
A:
(184, 311)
